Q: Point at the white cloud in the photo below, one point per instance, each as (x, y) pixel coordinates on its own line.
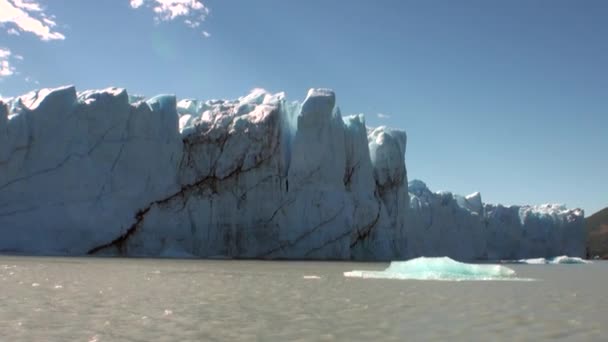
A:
(6, 68)
(136, 3)
(13, 32)
(28, 5)
(383, 116)
(29, 79)
(192, 24)
(193, 12)
(28, 16)
(49, 22)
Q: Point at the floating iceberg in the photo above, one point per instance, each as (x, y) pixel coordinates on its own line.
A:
(442, 268)
(562, 259)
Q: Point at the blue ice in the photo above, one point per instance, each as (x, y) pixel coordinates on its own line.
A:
(442, 268)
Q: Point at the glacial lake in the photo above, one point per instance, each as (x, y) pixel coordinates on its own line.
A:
(112, 299)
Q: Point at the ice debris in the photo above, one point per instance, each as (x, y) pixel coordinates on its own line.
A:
(562, 259)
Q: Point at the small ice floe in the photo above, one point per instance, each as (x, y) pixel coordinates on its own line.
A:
(57, 287)
(562, 259)
(35, 284)
(167, 312)
(442, 268)
(311, 277)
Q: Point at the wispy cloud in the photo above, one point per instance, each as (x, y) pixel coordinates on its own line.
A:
(28, 5)
(24, 16)
(136, 3)
(28, 16)
(28, 79)
(6, 67)
(383, 116)
(192, 12)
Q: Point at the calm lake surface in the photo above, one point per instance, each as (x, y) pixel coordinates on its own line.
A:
(90, 299)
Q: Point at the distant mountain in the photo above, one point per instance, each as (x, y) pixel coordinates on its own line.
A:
(597, 234)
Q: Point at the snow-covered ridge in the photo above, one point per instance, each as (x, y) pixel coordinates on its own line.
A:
(105, 172)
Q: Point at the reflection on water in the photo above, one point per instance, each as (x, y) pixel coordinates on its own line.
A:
(72, 299)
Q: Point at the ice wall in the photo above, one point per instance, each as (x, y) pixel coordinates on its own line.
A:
(464, 228)
(107, 173)
(75, 168)
(547, 230)
(102, 172)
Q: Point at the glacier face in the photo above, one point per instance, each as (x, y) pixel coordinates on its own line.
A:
(106, 173)
(465, 228)
(74, 168)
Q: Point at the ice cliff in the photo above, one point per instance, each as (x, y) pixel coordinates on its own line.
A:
(105, 173)
(465, 228)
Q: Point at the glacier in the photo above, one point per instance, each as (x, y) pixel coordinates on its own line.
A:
(436, 268)
(103, 172)
(465, 228)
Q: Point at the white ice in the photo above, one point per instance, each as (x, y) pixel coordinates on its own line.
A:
(463, 227)
(441, 268)
(105, 172)
(562, 259)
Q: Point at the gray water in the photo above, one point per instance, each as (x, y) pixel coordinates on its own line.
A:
(89, 299)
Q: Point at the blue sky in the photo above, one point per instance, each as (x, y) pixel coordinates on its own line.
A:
(509, 98)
